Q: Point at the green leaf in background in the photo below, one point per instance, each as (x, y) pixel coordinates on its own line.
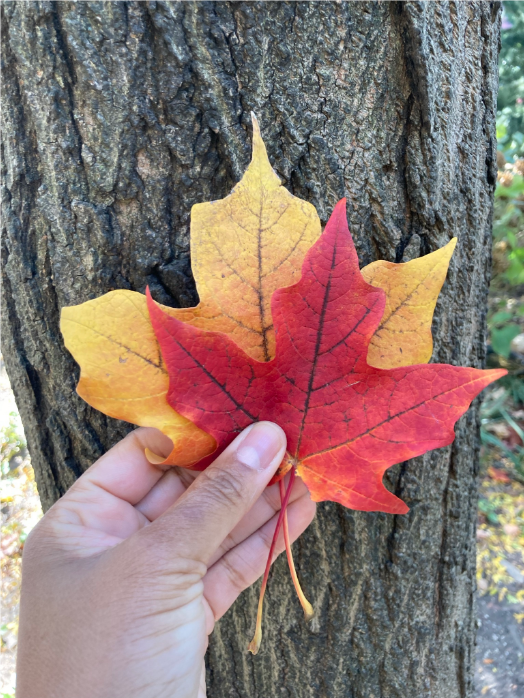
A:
(510, 105)
(500, 318)
(489, 510)
(515, 272)
(511, 192)
(501, 339)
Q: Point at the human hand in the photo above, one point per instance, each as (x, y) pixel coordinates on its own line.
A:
(125, 576)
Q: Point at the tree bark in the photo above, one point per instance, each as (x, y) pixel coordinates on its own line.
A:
(118, 117)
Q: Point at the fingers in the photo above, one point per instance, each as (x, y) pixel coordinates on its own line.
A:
(218, 499)
(124, 471)
(263, 510)
(244, 564)
(163, 495)
(173, 484)
(102, 498)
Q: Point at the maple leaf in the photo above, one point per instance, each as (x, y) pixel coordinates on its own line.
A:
(346, 422)
(243, 247)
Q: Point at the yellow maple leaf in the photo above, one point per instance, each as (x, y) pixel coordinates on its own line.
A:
(243, 248)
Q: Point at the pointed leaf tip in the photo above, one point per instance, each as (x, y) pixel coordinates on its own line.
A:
(243, 248)
(340, 209)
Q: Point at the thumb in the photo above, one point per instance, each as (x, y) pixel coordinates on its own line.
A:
(221, 495)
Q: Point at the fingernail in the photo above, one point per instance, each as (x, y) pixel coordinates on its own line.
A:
(260, 446)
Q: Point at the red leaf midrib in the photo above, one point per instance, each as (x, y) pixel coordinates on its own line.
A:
(317, 348)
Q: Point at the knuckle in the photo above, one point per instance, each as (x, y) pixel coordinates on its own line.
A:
(143, 561)
(223, 486)
(237, 579)
(41, 539)
(266, 536)
(31, 545)
(43, 551)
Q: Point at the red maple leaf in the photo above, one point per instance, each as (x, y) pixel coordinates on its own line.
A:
(345, 422)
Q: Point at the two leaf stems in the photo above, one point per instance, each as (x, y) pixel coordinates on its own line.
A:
(254, 645)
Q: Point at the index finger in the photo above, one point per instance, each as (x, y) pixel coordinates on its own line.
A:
(124, 470)
(222, 494)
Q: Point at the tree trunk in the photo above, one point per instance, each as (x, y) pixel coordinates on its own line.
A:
(118, 117)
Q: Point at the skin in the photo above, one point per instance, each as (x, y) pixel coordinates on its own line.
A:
(126, 575)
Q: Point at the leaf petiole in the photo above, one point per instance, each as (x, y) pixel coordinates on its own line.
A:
(309, 611)
(254, 645)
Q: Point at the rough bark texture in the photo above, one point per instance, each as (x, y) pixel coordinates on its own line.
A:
(118, 117)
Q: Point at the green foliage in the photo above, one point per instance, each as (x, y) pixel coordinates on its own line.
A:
(510, 138)
(489, 509)
(508, 227)
(511, 191)
(11, 441)
(501, 412)
(502, 337)
(496, 411)
(510, 124)
(515, 386)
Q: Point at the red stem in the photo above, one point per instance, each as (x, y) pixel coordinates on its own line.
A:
(254, 645)
(307, 607)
